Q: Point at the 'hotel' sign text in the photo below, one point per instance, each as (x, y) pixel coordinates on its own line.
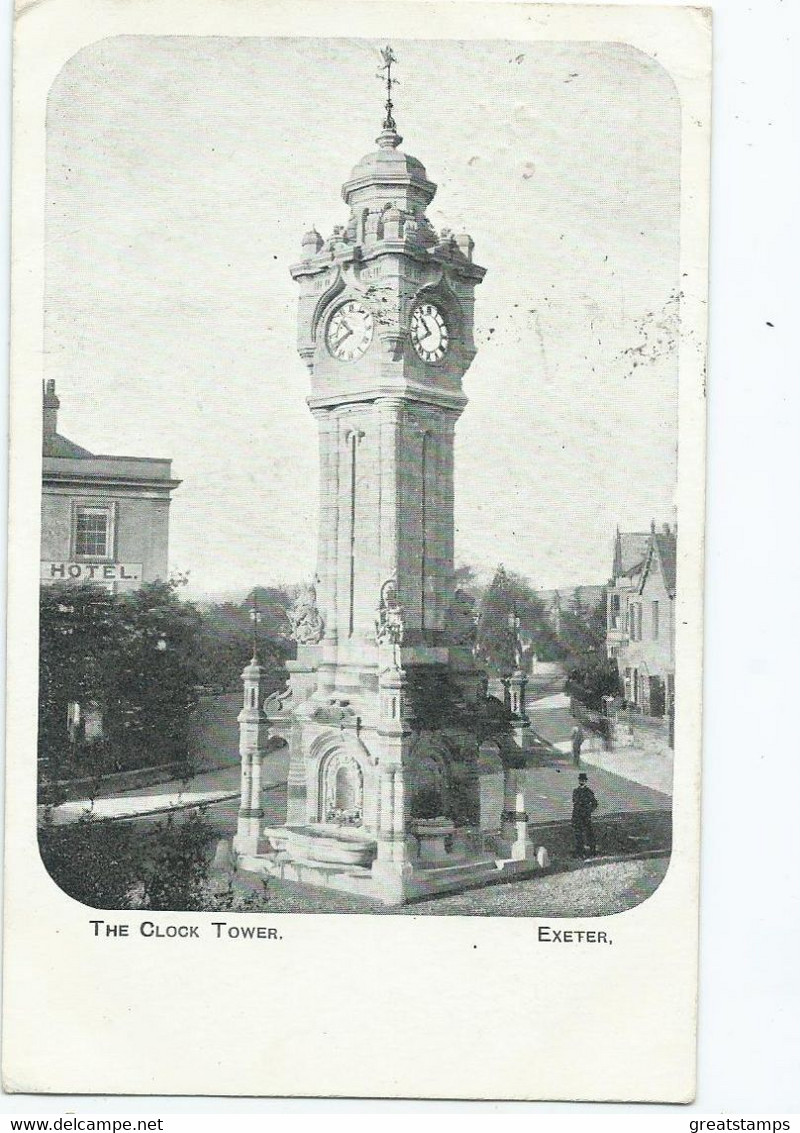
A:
(91, 572)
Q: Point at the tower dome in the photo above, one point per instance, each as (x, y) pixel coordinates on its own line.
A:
(389, 174)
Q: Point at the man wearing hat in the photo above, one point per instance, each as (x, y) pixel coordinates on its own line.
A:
(583, 804)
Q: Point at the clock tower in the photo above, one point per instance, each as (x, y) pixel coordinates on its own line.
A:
(386, 330)
(381, 708)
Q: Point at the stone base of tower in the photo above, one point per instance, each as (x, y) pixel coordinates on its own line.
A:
(399, 777)
(389, 886)
(388, 882)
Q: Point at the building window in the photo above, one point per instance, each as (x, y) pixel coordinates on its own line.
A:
(93, 533)
(635, 621)
(614, 612)
(655, 621)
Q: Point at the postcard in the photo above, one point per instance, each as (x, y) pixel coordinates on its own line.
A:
(356, 549)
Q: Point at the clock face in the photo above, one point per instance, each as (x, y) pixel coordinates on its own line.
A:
(350, 331)
(429, 332)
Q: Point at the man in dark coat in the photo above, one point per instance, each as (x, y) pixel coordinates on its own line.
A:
(583, 805)
(577, 743)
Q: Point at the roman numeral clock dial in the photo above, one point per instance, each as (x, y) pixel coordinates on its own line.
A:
(429, 334)
(350, 331)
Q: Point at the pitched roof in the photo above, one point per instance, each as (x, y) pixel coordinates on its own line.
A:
(667, 548)
(53, 444)
(630, 551)
(662, 551)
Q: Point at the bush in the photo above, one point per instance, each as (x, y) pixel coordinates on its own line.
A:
(116, 865)
(590, 683)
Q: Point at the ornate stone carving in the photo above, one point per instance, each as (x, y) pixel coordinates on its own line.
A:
(336, 712)
(278, 701)
(307, 624)
(389, 625)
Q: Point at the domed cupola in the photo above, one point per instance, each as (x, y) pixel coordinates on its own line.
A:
(389, 175)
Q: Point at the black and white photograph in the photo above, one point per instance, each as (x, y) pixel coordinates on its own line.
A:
(380, 654)
(368, 516)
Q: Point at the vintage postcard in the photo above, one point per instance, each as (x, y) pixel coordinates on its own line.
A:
(356, 549)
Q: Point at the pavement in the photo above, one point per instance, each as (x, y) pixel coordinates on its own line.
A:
(635, 765)
(551, 718)
(217, 790)
(548, 793)
(132, 807)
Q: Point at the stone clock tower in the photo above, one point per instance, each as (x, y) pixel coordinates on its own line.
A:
(385, 328)
(381, 708)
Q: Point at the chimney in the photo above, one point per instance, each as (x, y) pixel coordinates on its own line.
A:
(666, 529)
(50, 406)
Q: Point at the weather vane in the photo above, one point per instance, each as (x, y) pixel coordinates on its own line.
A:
(385, 75)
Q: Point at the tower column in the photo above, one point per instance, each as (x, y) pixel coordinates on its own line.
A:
(297, 800)
(385, 328)
(253, 733)
(399, 816)
(385, 812)
(256, 809)
(511, 782)
(245, 795)
(448, 502)
(441, 521)
(348, 452)
(389, 409)
(391, 867)
(326, 549)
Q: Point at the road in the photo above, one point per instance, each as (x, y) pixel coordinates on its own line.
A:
(548, 790)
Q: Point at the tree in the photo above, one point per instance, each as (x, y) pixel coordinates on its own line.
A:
(177, 865)
(508, 597)
(591, 676)
(583, 631)
(225, 639)
(465, 580)
(590, 683)
(149, 688)
(125, 661)
(76, 625)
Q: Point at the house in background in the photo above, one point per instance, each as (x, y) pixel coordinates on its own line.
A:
(641, 619)
(105, 519)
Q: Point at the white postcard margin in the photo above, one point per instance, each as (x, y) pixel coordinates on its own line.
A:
(349, 1005)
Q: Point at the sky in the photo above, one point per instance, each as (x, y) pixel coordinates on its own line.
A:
(182, 173)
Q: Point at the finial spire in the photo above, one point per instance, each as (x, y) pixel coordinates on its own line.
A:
(388, 137)
(255, 618)
(385, 75)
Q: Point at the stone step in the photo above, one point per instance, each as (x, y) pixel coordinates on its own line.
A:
(477, 867)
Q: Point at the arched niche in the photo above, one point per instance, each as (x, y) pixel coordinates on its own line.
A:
(341, 790)
(427, 781)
